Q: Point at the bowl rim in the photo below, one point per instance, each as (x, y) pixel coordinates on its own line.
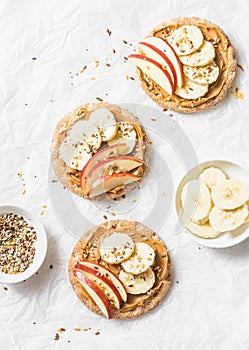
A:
(41, 232)
(204, 241)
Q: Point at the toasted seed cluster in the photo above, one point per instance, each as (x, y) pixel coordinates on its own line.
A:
(17, 244)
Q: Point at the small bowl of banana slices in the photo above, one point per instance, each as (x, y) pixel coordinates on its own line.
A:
(212, 203)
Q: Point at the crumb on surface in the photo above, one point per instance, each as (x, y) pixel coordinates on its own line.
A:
(238, 94)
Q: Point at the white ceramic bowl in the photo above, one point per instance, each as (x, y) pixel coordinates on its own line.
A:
(40, 246)
(233, 171)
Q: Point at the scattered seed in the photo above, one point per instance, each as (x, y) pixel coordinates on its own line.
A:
(57, 337)
(60, 330)
(83, 69)
(240, 67)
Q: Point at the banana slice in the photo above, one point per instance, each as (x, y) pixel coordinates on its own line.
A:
(75, 155)
(230, 194)
(247, 218)
(186, 39)
(84, 130)
(137, 284)
(192, 90)
(228, 220)
(142, 258)
(105, 121)
(203, 231)
(196, 201)
(125, 131)
(212, 176)
(202, 75)
(204, 55)
(116, 248)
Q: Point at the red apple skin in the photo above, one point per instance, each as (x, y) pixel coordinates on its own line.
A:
(85, 280)
(165, 58)
(103, 278)
(106, 178)
(156, 64)
(104, 270)
(181, 80)
(87, 167)
(106, 161)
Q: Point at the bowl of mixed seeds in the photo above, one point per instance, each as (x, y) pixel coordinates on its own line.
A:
(23, 244)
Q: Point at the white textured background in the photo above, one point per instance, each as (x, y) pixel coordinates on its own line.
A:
(207, 307)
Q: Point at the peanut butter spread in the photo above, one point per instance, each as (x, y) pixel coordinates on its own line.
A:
(88, 249)
(224, 58)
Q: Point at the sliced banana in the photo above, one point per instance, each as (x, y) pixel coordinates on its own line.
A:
(212, 176)
(94, 140)
(75, 155)
(228, 220)
(125, 131)
(196, 201)
(186, 39)
(105, 121)
(142, 258)
(200, 57)
(192, 90)
(202, 75)
(230, 194)
(116, 248)
(247, 218)
(203, 231)
(84, 130)
(137, 284)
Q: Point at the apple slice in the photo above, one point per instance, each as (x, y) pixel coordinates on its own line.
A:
(111, 165)
(107, 152)
(95, 293)
(103, 283)
(158, 56)
(168, 51)
(155, 71)
(108, 182)
(104, 271)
